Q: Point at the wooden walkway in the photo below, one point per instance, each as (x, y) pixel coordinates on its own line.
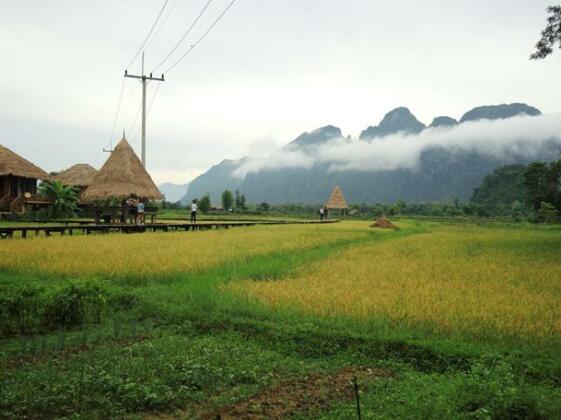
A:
(87, 229)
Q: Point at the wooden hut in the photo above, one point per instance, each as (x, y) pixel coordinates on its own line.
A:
(80, 176)
(121, 177)
(337, 201)
(18, 183)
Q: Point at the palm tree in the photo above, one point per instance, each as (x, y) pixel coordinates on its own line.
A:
(65, 198)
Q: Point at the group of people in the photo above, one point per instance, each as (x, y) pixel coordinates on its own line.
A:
(136, 211)
(323, 213)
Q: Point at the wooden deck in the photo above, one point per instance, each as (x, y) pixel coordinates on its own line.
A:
(87, 229)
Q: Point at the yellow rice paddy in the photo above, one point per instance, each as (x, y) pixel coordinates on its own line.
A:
(455, 280)
(152, 254)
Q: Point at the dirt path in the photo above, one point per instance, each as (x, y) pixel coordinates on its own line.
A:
(304, 395)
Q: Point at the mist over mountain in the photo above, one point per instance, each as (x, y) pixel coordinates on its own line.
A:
(400, 158)
(173, 192)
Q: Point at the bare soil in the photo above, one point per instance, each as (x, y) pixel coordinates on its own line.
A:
(303, 395)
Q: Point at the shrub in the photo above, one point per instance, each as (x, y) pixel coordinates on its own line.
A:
(73, 304)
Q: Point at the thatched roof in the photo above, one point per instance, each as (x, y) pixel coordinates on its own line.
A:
(122, 176)
(337, 200)
(13, 164)
(79, 175)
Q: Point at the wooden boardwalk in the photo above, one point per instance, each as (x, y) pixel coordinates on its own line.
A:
(87, 229)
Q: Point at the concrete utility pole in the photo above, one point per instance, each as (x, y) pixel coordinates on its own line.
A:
(144, 79)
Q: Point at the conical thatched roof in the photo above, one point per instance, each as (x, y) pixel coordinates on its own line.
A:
(79, 175)
(121, 177)
(337, 200)
(13, 164)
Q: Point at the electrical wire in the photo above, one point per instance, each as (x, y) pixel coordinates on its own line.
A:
(162, 23)
(183, 36)
(202, 37)
(149, 33)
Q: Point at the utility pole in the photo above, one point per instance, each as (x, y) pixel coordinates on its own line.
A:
(143, 78)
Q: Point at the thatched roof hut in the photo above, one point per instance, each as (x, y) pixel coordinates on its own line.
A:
(12, 164)
(80, 175)
(337, 200)
(121, 177)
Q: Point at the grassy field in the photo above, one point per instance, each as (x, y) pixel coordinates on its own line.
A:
(435, 320)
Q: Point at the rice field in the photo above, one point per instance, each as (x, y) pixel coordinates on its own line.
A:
(161, 253)
(435, 320)
(483, 282)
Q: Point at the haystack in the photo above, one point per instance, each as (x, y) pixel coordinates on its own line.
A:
(337, 200)
(12, 164)
(121, 177)
(384, 223)
(80, 175)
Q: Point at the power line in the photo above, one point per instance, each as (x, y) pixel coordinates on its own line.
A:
(184, 36)
(162, 24)
(149, 33)
(202, 37)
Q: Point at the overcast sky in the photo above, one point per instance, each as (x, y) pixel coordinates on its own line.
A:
(267, 72)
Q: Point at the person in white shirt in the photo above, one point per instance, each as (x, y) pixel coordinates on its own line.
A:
(321, 213)
(194, 211)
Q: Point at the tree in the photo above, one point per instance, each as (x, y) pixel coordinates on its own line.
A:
(264, 207)
(550, 35)
(548, 213)
(204, 203)
(227, 200)
(238, 201)
(242, 202)
(542, 183)
(501, 188)
(65, 199)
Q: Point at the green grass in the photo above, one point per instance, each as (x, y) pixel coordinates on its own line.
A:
(191, 347)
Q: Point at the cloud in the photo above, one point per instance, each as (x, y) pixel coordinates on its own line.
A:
(505, 139)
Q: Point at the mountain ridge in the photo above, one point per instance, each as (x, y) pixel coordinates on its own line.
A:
(441, 175)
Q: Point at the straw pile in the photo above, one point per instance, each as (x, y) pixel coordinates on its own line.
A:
(384, 223)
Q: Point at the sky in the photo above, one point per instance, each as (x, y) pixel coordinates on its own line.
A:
(268, 71)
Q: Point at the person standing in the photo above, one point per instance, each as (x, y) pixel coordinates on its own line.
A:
(321, 213)
(194, 211)
(140, 212)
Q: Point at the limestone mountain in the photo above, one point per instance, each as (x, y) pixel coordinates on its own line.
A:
(494, 112)
(443, 121)
(441, 174)
(397, 120)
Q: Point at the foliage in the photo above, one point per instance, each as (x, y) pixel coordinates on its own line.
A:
(168, 205)
(263, 207)
(500, 189)
(551, 35)
(548, 213)
(65, 198)
(227, 200)
(204, 203)
(542, 181)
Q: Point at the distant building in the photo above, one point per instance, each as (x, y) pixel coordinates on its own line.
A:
(18, 183)
(337, 201)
